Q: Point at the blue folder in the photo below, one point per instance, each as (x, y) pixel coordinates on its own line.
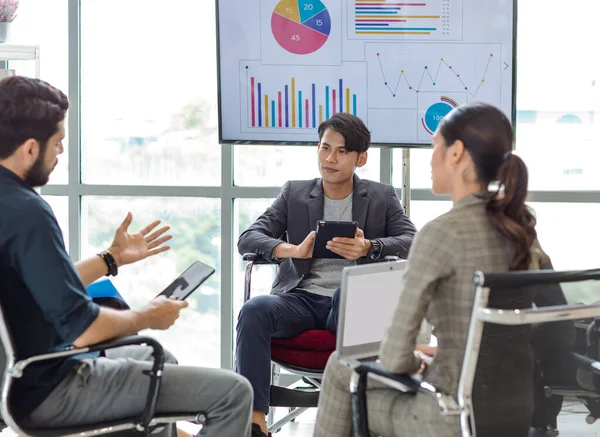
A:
(103, 288)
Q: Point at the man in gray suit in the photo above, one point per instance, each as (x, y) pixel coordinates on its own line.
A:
(305, 291)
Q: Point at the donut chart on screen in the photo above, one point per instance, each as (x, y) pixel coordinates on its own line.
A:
(301, 27)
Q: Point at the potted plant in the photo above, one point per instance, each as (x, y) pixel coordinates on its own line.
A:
(8, 12)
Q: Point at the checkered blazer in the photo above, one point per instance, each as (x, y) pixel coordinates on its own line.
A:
(438, 286)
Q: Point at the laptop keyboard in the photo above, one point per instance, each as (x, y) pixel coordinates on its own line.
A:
(368, 359)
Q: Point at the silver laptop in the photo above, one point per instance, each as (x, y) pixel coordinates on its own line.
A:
(368, 299)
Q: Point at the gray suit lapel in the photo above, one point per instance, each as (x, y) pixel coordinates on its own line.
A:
(316, 204)
(360, 203)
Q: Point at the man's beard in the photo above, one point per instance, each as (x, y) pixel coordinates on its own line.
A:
(37, 175)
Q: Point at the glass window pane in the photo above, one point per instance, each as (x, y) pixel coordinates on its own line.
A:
(45, 23)
(557, 123)
(149, 113)
(60, 207)
(423, 211)
(575, 250)
(245, 211)
(196, 229)
(272, 166)
(420, 170)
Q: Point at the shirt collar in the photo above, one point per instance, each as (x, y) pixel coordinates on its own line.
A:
(477, 198)
(6, 173)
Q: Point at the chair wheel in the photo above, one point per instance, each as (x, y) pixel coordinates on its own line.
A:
(589, 419)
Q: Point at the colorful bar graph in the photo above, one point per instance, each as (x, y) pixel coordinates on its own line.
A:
(387, 17)
(309, 106)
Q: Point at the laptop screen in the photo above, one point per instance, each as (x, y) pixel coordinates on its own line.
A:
(371, 299)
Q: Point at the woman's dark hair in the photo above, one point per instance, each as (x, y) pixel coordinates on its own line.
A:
(357, 137)
(488, 136)
(29, 108)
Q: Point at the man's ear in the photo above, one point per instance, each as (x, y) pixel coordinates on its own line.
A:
(362, 159)
(28, 152)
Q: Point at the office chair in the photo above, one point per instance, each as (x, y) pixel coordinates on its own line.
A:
(584, 385)
(462, 405)
(145, 423)
(304, 355)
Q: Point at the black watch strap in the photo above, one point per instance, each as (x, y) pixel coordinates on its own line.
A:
(375, 252)
(110, 263)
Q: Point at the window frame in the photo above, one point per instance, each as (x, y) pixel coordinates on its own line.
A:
(227, 192)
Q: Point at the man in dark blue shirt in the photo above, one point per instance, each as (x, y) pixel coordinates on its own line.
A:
(47, 308)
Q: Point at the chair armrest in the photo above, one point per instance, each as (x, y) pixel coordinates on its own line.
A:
(586, 363)
(402, 382)
(17, 370)
(258, 260)
(252, 260)
(410, 383)
(155, 373)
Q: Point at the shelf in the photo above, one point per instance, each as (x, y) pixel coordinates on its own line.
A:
(13, 52)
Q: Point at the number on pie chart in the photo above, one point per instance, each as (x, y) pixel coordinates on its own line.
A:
(301, 26)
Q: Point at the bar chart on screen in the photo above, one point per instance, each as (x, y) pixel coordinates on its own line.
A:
(275, 100)
(427, 20)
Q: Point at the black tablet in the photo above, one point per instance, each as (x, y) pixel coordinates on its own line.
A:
(192, 278)
(326, 231)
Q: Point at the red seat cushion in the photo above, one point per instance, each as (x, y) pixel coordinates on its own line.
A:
(310, 350)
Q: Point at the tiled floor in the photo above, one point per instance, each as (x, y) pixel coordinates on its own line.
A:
(571, 424)
(571, 421)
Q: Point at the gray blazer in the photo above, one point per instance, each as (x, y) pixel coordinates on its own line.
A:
(299, 206)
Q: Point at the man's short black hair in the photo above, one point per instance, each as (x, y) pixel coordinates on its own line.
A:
(29, 108)
(357, 137)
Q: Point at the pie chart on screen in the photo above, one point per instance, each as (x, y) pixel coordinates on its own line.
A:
(301, 26)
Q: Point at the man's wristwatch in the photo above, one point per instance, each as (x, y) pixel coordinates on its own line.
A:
(375, 251)
(110, 263)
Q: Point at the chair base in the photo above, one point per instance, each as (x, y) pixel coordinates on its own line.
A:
(274, 428)
(297, 400)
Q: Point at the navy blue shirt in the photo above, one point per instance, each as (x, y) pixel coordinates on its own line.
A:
(44, 300)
